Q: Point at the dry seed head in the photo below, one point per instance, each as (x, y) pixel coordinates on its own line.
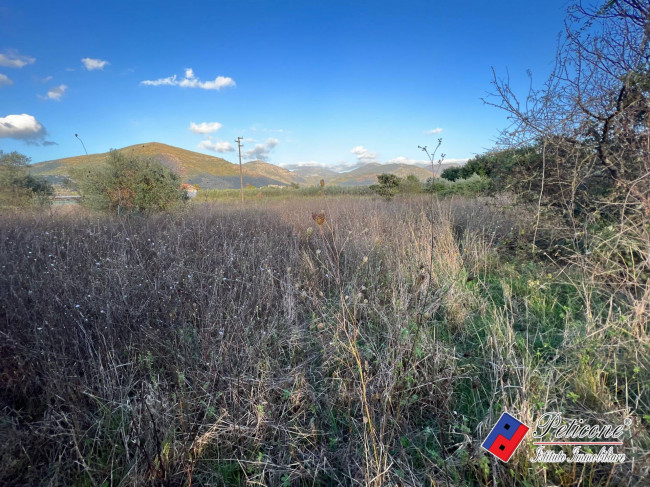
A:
(319, 218)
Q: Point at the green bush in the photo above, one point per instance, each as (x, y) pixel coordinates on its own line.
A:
(472, 186)
(388, 186)
(452, 173)
(410, 185)
(18, 188)
(506, 169)
(130, 184)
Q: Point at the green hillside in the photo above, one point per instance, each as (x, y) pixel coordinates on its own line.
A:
(207, 171)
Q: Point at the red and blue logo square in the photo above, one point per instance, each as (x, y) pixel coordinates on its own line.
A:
(505, 437)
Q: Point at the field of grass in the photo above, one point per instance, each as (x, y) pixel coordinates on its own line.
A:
(249, 345)
(262, 195)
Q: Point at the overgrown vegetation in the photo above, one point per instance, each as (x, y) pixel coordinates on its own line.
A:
(474, 185)
(505, 168)
(585, 135)
(274, 193)
(18, 188)
(231, 346)
(587, 129)
(129, 184)
(337, 339)
(388, 185)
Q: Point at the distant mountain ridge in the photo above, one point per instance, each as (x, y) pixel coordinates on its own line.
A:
(211, 172)
(367, 175)
(313, 174)
(275, 172)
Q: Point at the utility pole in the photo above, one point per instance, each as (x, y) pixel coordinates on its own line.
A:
(241, 174)
(88, 161)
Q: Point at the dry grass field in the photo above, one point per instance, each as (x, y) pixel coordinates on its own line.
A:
(249, 345)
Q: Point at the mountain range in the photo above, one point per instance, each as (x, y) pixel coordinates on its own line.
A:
(209, 172)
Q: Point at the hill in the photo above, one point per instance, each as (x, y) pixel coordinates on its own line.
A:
(313, 174)
(211, 172)
(274, 172)
(208, 172)
(367, 174)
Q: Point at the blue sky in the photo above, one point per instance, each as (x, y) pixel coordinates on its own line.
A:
(304, 82)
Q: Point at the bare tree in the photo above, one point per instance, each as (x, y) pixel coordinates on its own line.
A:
(589, 125)
(590, 120)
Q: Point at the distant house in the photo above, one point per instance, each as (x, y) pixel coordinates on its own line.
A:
(189, 190)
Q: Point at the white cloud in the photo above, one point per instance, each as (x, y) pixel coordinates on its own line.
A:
(191, 81)
(406, 160)
(55, 93)
(437, 130)
(171, 81)
(423, 162)
(305, 164)
(12, 59)
(258, 128)
(364, 156)
(455, 161)
(204, 127)
(4, 80)
(261, 151)
(92, 64)
(23, 127)
(341, 166)
(216, 146)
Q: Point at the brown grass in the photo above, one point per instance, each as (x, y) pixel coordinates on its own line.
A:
(253, 346)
